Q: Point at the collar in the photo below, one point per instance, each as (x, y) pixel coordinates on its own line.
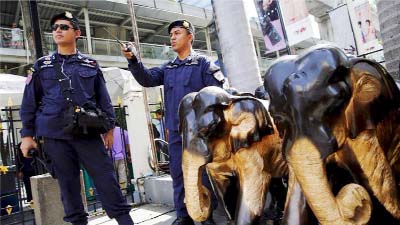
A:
(188, 59)
(75, 57)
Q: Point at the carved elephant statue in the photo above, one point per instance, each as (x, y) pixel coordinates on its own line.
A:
(329, 107)
(228, 136)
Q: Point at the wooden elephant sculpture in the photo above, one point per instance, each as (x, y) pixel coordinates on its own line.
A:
(329, 107)
(228, 136)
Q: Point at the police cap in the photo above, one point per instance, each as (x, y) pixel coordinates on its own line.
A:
(66, 16)
(181, 23)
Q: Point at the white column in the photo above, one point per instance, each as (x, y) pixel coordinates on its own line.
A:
(237, 45)
(139, 135)
(87, 28)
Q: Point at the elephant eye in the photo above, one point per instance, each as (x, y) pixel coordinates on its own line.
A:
(213, 125)
(206, 132)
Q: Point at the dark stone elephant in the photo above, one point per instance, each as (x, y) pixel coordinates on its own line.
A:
(331, 108)
(229, 136)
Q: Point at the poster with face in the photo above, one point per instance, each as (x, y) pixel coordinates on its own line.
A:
(299, 24)
(364, 19)
(268, 14)
(293, 11)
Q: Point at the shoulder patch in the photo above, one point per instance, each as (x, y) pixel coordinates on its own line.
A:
(219, 76)
(216, 72)
(28, 79)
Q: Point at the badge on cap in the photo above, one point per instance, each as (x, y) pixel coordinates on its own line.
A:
(68, 14)
(185, 24)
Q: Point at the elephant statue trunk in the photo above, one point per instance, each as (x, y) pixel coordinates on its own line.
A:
(351, 206)
(199, 205)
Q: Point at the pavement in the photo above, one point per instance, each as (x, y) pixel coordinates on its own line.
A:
(152, 214)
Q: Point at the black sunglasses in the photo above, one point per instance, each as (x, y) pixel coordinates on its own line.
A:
(62, 27)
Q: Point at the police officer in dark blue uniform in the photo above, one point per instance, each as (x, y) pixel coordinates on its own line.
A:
(42, 114)
(188, 72)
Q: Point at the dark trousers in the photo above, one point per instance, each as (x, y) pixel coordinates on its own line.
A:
(66, 156)
(175, 166)
(27, 183)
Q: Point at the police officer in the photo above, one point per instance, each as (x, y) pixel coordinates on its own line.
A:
(188, 72)
(42, 110)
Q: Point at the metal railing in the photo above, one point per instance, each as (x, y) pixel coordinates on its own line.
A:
(15, 205)
(376, 55)
(264, 63)
(110, 47)
(177, 7)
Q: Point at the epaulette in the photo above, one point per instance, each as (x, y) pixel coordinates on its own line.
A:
(194, 59)
(43, 62)
(87, 61)
(170, 64)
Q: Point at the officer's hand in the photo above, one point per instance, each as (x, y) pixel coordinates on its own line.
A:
(129, 51)
(26, 144)
(109, 139)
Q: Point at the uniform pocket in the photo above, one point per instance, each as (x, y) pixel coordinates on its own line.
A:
(50, 110)
(49, 81)
(87, 78)
(170, 82)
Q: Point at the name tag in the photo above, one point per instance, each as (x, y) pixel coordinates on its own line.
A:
(45, 66)
(88, 65)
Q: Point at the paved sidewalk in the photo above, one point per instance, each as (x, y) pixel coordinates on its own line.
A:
(152, 214)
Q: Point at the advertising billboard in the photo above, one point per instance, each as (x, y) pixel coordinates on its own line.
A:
(269, 16)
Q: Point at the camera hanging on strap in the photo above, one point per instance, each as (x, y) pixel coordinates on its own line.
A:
(86, 119)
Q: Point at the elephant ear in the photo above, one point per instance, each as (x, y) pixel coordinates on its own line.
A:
(249, 120)
(185, 107)
(374, 95)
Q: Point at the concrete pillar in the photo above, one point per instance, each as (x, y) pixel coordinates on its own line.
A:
(137, 121)
(139, 135)
(237, 45)
(87, 28)
(46, 195)
(389, 14)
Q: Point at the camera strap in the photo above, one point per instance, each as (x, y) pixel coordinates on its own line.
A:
(65, 83)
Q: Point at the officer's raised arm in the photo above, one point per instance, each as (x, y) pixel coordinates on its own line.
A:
(145, 77)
